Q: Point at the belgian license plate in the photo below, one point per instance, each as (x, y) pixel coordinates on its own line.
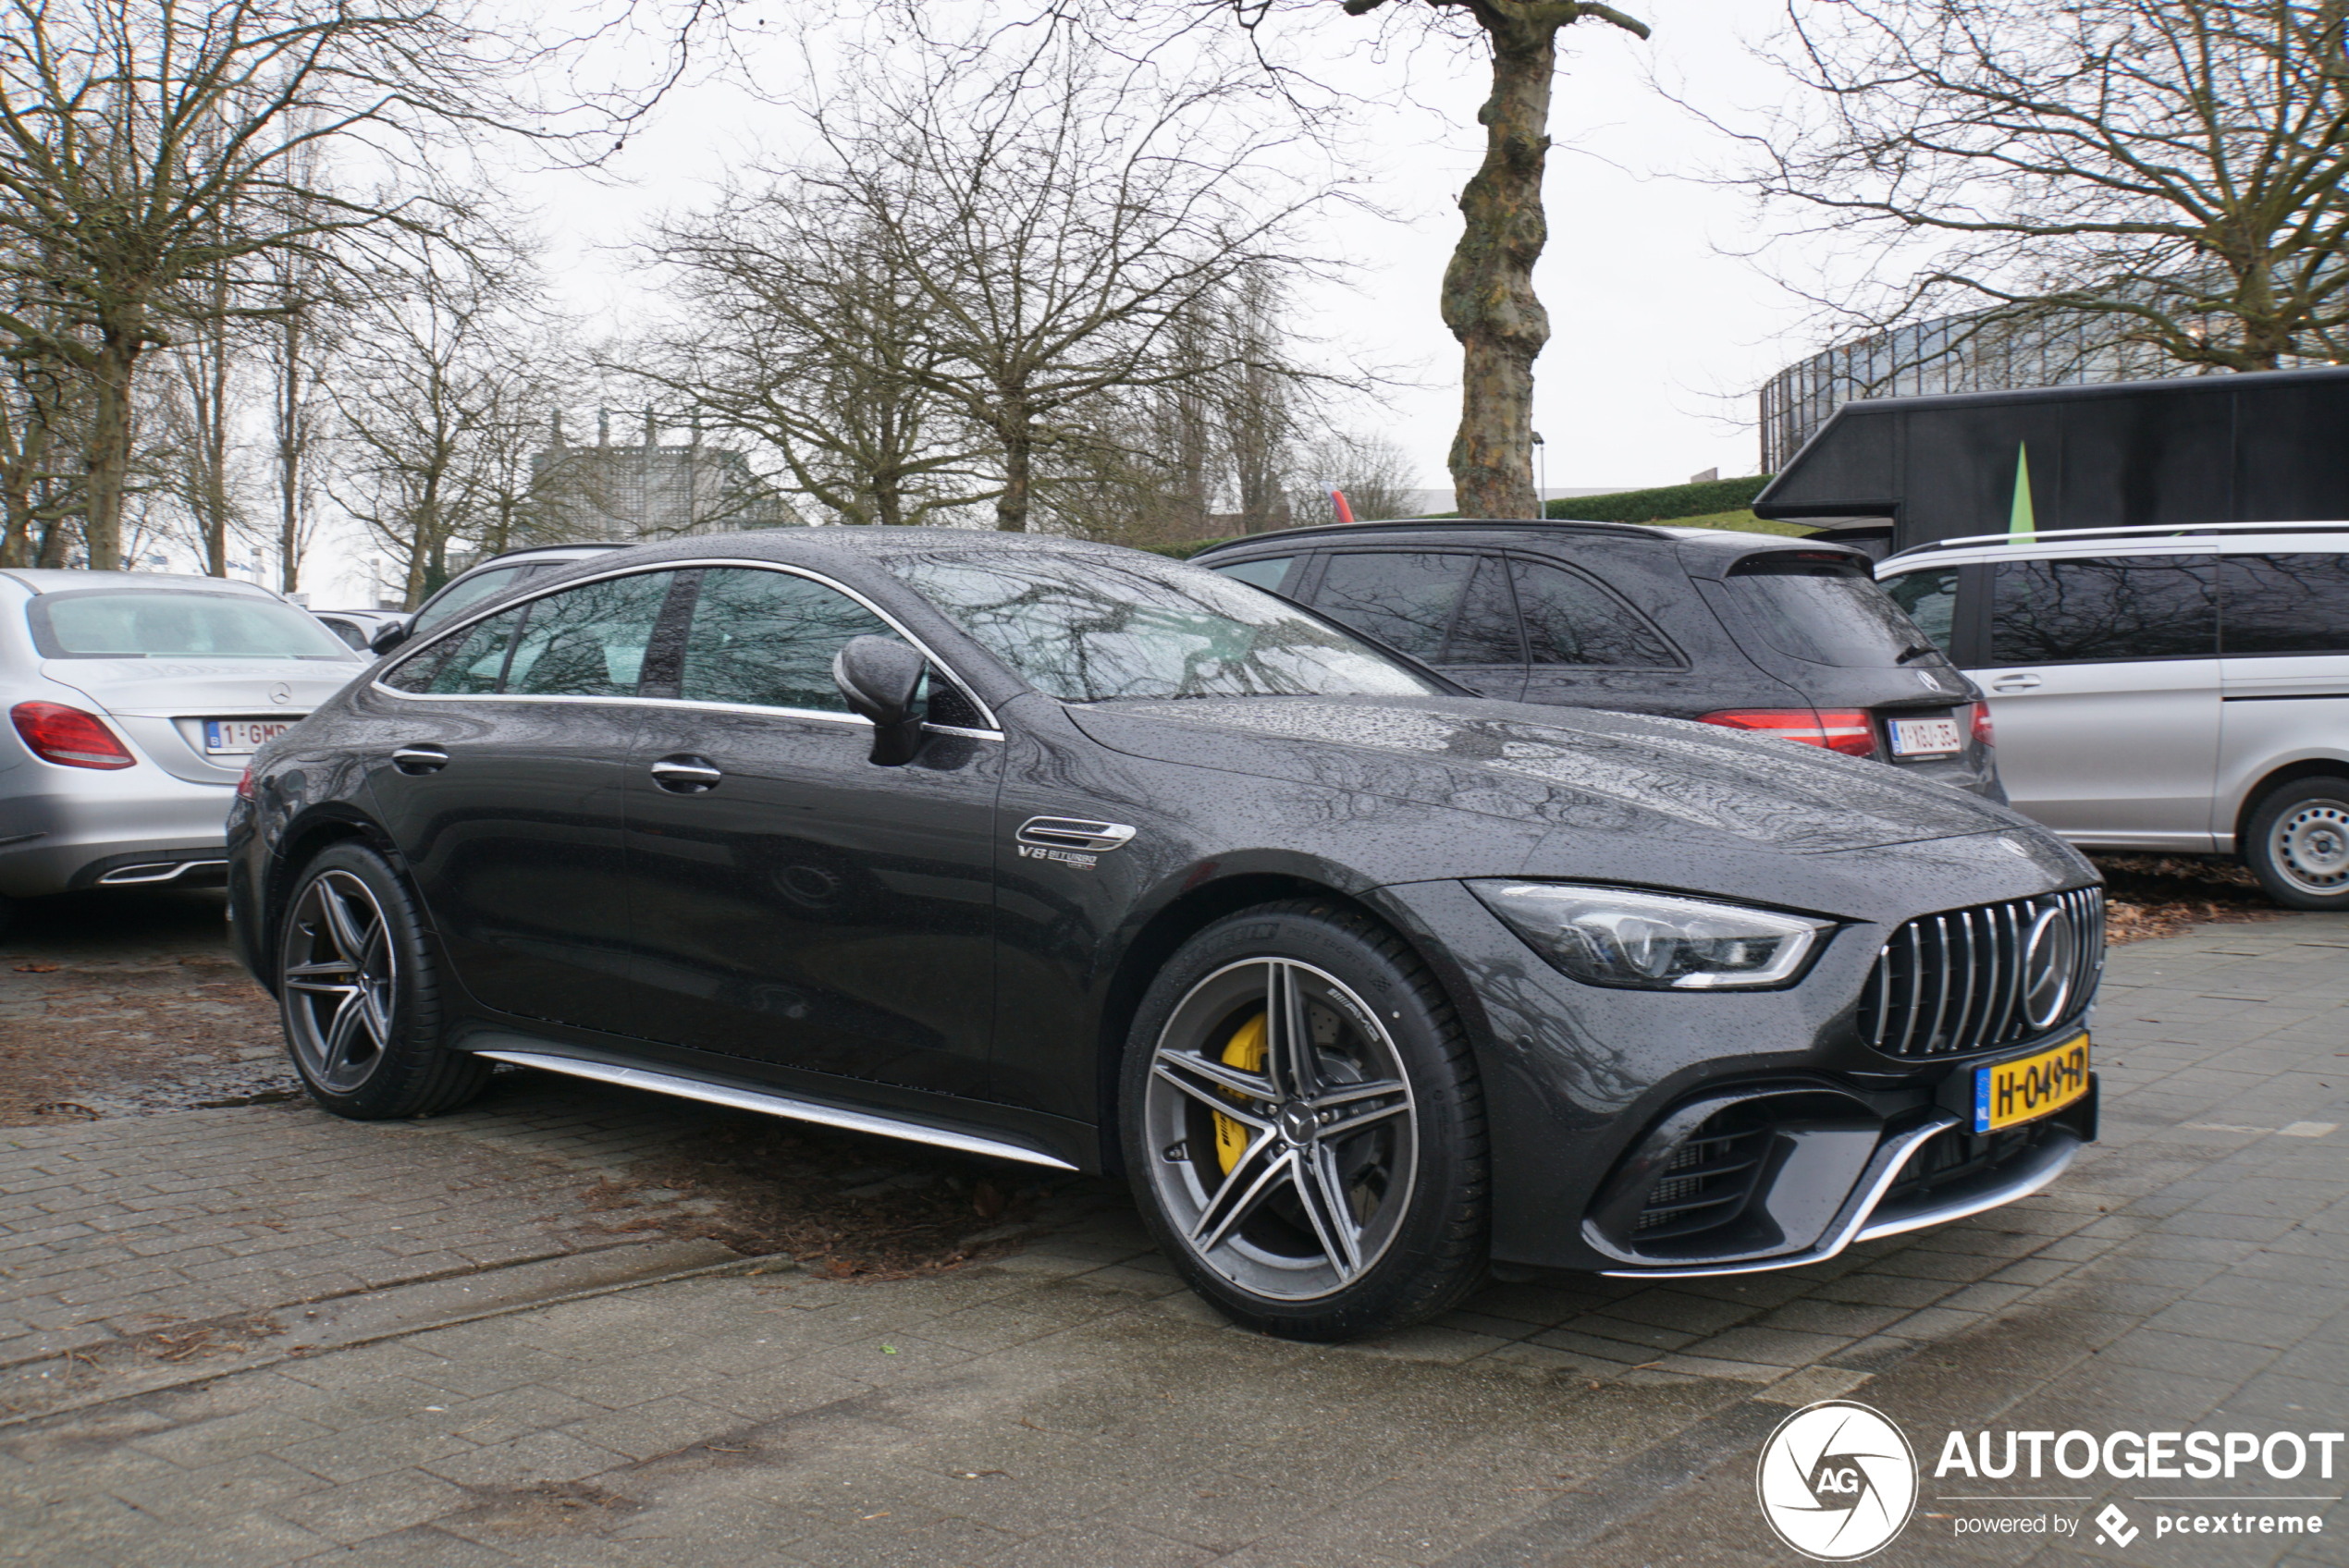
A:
(2007, 1093)
(240, 737)
(1926, 737)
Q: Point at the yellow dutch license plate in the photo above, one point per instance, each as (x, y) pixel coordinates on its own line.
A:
(2006, 1093)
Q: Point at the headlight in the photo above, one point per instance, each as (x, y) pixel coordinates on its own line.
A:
(1651, 942)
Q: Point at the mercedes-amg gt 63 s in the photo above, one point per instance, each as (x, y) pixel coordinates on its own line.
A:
(1063, 853)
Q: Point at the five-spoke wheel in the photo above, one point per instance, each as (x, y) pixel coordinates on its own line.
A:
(1311, 1158)
(356, 987)
(1284, 1080)
(340, 976)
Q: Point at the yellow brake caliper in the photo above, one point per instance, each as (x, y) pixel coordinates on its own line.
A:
(1244, 1050)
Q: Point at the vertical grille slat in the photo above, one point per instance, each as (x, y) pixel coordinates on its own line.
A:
(1913, 944)
(1955, 982)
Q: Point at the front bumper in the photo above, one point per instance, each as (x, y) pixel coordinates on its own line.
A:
(1791, 1205)
(60, 833)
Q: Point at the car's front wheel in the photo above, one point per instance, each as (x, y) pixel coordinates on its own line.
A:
(1303, 1125)
(358, 996)
(2298, 844)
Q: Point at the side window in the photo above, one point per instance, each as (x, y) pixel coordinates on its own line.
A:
(768, 638)
(1487, 629)
(588, 640)
(459, 596)
(1569, 619)
(1261, 574)
(1931, 599)
(466, 665)
(2296, 604)
(1406, 599)
(2118, 608)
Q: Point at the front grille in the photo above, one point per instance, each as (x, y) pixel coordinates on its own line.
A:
(1707, 1180)
(1953, 982)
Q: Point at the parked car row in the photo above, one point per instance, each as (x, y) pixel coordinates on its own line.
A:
(1072, 855)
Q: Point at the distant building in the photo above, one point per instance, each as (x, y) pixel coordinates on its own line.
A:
(650, 491)
(1975, 352)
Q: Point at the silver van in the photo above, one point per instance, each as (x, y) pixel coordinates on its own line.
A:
(2172, 689)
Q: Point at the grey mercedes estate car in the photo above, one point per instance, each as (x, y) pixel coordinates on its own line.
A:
(1075, 857)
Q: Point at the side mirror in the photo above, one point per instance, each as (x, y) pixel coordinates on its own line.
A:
(390, 637)
(881, 677)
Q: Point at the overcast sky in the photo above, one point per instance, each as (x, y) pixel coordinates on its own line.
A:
(1659, 331)
(1658, 336)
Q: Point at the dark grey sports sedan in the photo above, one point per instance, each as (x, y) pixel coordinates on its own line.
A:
(1061, 853)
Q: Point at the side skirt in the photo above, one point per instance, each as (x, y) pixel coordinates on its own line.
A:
(769, 1103)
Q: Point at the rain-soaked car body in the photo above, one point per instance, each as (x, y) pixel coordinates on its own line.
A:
(1363, 987)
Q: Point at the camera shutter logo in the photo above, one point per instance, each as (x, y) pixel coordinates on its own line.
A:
(1837, 1480)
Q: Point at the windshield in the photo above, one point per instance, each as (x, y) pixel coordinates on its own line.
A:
(134, 624)
(1090, 630)
(1827, 610)
(463, 592)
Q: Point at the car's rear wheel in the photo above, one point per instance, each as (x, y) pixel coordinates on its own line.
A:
(358, 996)
(2297, 843)
(1304, 1127)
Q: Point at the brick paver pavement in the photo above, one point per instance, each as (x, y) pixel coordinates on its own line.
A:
(1071, 1404)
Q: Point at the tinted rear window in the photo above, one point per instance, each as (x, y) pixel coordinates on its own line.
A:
(2104, 608)
(1259, 574)
(1930, 597)
(1825, 609)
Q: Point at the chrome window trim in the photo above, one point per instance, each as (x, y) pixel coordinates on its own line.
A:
(992, 733)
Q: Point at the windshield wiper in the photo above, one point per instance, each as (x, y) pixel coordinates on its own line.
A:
(1916, 653)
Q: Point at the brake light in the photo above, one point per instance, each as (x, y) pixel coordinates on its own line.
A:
(1837, 730)
(1982, 732)
(68, 737)
(244, 785)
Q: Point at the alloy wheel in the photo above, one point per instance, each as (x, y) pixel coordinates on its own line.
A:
(1284, 1134)
(2309, 846)
(339, 979)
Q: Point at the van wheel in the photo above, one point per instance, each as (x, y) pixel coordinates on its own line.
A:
(1304, 1127)
(360, 998)
(2298, 844)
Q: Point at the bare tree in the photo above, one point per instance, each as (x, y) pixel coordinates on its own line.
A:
(147, 144)
(43, 405)
(803, 333)
(443, 397)
(1054, 220)
(1374, 473)
(2167, 173)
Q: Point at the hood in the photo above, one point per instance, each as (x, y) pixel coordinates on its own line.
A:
(1579, 768)
(173, 688)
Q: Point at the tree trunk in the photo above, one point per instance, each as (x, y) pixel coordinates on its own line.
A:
(1488, 289)
(107, 457)
(290, 442)
(1018, 433)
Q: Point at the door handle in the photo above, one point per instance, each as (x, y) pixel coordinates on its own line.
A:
(420, 759)
(2014, 683)
(687, 775)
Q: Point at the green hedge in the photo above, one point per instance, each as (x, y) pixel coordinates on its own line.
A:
(1663, 503)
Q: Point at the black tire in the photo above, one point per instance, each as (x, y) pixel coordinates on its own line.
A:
(2297, 843)
(360, 997)
(1346, 1209)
